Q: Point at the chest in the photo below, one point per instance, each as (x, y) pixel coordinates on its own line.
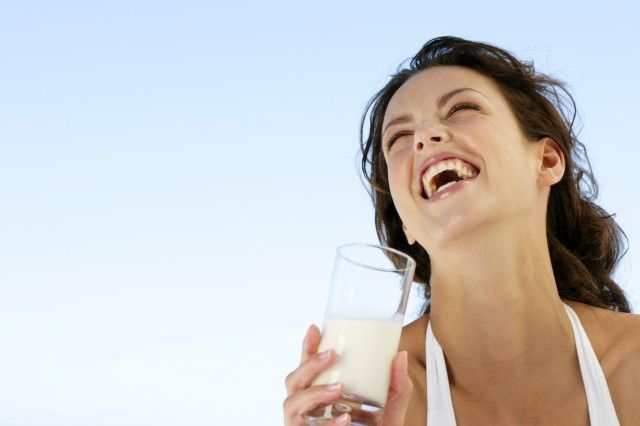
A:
(571, 409)
(572, 412)
(616, 342)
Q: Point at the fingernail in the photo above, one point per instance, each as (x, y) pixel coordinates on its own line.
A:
(334, 386)
(306, 338)
(325, 354)
(343, 419)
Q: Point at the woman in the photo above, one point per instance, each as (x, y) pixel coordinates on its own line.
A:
(477, 174)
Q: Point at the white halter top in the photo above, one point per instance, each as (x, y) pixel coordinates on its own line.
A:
(440, 407)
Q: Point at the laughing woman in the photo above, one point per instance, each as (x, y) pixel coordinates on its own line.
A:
(476, 173)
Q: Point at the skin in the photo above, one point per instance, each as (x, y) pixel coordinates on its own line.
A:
(487, 242)
(508, 342)
(615, 338)
(496, 312)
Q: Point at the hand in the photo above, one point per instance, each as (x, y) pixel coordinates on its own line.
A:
(301, 397)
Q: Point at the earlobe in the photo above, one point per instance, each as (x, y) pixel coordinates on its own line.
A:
(407, 234)
(552, 164)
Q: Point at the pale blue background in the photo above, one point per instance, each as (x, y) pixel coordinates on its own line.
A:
(175, 177)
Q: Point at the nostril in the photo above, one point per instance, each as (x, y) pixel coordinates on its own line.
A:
(436, 138)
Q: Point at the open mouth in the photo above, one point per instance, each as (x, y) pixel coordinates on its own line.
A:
(446, 174)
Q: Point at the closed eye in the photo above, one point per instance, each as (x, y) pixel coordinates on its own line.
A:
(397, 136)
(462, 105)
(457, 107)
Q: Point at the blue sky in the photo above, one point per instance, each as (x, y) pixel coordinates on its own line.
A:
(176, 176)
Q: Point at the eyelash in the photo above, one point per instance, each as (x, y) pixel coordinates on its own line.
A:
(454, 109)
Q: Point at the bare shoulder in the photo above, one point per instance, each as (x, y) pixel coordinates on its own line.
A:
(611, 333)
(624, 379)
(615, 337)
(412, 340)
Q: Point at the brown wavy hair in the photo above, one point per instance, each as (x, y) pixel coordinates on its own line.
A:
(585, 242)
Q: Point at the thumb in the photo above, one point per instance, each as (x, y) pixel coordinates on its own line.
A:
(400, 391)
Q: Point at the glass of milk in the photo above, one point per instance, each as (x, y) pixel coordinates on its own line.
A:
(367, 300)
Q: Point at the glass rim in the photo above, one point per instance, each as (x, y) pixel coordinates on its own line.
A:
(411, 263)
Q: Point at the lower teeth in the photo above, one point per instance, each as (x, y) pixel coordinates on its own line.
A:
(445, 186)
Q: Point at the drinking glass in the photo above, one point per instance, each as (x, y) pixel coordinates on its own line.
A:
(363, 320)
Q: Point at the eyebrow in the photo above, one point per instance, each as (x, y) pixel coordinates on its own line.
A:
(440, 103)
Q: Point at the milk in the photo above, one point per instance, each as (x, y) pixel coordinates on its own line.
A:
(365, 348)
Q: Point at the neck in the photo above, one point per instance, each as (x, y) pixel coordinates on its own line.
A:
(496, 312)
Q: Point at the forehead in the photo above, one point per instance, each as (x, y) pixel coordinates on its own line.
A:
(426, 86)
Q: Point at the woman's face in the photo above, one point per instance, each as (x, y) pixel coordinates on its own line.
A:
(431, 115)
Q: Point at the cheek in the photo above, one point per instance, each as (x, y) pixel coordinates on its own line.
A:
(398, 172)
(400, 175)
(515, 177)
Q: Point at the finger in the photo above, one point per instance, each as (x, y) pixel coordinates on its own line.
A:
(343, 420)
(301, 377)
(400, 391)
(299, 403)
(310, 343)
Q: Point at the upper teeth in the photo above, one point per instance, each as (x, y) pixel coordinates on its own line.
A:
(459, 166)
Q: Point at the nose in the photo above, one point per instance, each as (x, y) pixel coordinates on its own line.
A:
(428, 134)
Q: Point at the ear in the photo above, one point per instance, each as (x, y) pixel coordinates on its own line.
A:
(410, 238)
(550, 162)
